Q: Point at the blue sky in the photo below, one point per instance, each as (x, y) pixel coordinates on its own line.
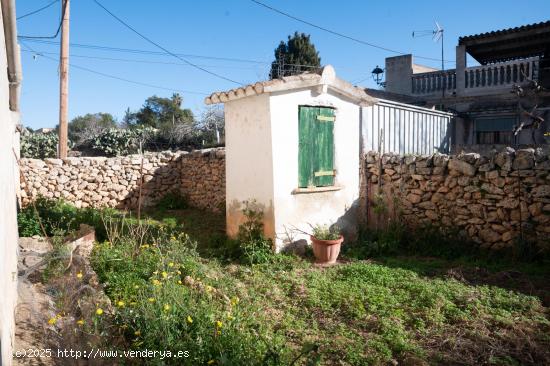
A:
(235, 29)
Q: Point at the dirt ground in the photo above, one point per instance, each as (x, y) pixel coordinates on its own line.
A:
(35, 307)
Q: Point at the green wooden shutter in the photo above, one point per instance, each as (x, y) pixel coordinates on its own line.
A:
(323, 172)
(316, 147)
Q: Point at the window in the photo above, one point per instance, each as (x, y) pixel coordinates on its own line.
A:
(316, 147)
(497, 130)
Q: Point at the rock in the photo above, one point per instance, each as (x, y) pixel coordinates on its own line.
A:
(525, 159)
(462, 167)
(489, 236)
(541, 191)
(504, 160)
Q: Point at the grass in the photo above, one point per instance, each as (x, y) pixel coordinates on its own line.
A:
(176, 283)
(395, 309)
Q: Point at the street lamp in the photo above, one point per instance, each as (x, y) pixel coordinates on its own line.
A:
(377, 75)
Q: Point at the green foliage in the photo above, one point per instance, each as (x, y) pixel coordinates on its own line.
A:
(288, 312)
(38, 145)
(256, 248)
(115, 142)
(326, 232)
(158, 112)
(28, 223)
(58, 215)
(82, 128)
(295, 56)
(172, 201)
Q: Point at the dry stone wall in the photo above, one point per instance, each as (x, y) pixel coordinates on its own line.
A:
(486, 198)
(115, 182)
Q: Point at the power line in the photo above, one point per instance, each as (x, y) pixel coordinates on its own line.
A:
(56, 33)
(138, 51)
(338, 33)
(114, 76)
(162, 48)
(37, 10)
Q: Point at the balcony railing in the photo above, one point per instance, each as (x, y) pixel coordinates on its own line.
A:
(505, 73)
(488, 77)
(435, 81)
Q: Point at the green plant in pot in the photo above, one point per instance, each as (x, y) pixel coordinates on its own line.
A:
(326, 242)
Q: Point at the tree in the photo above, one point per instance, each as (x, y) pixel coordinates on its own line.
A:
(295, 56)
(212, 125)
(82, 128)
(158, 112)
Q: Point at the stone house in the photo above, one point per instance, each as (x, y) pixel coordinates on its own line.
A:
(295, 146)
(10, 80)
(487, 109)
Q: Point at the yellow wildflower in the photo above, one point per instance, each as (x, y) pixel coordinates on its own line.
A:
(156, 282)
(167, 307)
(178, 271)
(99, 311)
(172, 238)
(230, 317)
(234, 300)
(133, 303)
(179, 282)
(136, 286)
(52, 321)
(137, 333)
(189, 319)
(79, 275)
(209, 288)
(211, 362)
(121, 303)
(164, 274)
(171, 264)
(144, 246)
(218, 324)
(151, 299)
(80, 322)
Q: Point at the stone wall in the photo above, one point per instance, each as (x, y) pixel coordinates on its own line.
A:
(484, 197)
(115, 182)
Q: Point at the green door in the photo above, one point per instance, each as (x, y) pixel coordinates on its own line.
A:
(316, 147)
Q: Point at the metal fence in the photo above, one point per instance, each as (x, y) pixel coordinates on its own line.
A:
(405, 129)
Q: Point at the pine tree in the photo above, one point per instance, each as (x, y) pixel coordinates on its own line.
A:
(295, 56)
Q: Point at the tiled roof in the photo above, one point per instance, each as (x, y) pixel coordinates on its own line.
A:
(325, 79)
(522, 28)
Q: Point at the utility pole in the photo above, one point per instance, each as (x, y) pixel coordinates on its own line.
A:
(64, 81)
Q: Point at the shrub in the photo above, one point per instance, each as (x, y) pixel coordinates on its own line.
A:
(39, 145)
(57, 214)
(256, 248)
(115, 142)
(326, 232)
(172, 201)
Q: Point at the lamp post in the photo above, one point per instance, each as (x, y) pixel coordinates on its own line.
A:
(377, 75)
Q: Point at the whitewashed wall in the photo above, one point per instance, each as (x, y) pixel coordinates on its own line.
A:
(300, 210)
(405, 129)
(9, 174)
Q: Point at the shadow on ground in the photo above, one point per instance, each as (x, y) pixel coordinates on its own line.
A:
(528, 278)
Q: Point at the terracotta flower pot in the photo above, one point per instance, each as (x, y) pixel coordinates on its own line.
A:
(326, 251)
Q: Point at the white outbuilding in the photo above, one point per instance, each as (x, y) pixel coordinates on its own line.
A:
(294, 147)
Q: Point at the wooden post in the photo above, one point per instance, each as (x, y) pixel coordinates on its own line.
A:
(64, 81)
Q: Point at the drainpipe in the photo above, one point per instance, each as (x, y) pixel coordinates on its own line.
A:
(12, 52)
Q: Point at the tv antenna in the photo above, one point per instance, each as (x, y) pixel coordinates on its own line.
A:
(437, 35)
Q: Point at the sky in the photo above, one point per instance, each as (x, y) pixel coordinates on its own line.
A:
(232, 38)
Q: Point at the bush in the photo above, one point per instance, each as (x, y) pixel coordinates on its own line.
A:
(172, 201)
(59, 215)
(39, 145)
(115, 142)
(256, 248)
